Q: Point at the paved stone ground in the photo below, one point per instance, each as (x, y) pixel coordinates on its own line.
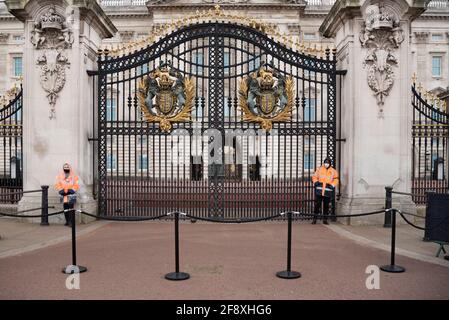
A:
(18, 237)
(129, 261)
(409, 241)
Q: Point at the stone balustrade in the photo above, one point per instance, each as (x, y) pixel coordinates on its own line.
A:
(317, 3)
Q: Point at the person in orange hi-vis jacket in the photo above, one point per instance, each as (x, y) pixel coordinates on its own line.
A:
(324, 181)
(67, 186)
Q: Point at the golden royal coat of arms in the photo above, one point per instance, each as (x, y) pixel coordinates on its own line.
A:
(266, 96)
(165, 96)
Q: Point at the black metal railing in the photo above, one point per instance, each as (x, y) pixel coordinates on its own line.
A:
(43, 208)
(11, 174)
(137, 173)
(430, 138)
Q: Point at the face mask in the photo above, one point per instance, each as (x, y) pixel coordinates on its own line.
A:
(67, 170)
(327, 165)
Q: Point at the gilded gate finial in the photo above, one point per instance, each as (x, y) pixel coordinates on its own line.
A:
(9, 95)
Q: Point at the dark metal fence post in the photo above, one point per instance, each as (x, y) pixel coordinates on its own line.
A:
(44, 206)
(177, 275)
(392, 267)
(73, 268)
(426, 235)
(288, 274)
(388, 205)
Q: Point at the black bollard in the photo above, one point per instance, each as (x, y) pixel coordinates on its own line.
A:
(44, 206)
(392, 267)
(177, 276)
(289, 274)
(73, 268)
(388, 205)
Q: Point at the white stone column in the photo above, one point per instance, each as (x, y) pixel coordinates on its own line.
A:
(373, 45)
(61, 41)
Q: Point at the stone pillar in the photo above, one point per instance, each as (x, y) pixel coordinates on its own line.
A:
(61, 41)
(373, 44)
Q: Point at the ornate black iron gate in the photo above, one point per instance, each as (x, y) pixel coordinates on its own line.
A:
(269, 111)
(430, 134)
(11, 145)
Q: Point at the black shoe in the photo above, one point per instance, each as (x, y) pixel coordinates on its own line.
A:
(314, 222)
(325, 222)
(446, 257)
(66, 224)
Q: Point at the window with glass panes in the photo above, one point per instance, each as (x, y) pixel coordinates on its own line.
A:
(142, 161)
(227, 62)
(309, 160)
(111, 109)
(17, 66)
(198, 60)
(310, 110)
(436, 66)
(254, 64)
(111, 161)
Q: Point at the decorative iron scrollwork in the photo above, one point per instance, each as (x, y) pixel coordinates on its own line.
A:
(174, 95)
(266, 96)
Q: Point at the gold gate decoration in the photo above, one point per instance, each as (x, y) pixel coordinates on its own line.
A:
(174, 97)
(266, 96)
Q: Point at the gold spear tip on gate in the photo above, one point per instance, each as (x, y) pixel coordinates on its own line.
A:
(414, 77)
(420, 88)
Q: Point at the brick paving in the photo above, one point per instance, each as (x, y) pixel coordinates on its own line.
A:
(129, 261)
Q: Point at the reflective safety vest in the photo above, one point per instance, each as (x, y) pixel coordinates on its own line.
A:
(67, 183)
(325, 176)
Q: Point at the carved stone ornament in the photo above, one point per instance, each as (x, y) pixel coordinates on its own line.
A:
(4, 37)
(381, 36)
(52, 35)
(52, 77)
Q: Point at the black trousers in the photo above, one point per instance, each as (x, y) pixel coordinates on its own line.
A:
(68, 206)
(317, 209)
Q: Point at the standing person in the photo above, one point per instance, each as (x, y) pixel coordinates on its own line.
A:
(67, 186)
(324, 181)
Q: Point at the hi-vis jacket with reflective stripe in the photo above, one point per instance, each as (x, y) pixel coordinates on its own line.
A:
(326, 176)
(67, 183)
